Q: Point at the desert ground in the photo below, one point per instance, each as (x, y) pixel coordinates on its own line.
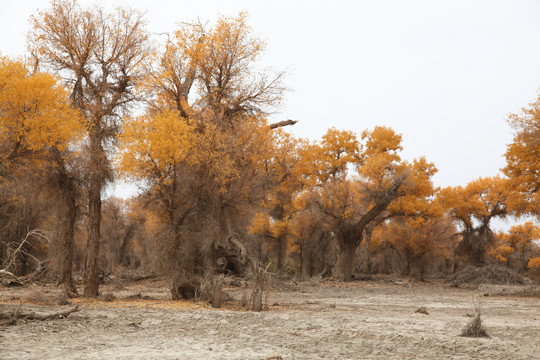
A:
(301, 320)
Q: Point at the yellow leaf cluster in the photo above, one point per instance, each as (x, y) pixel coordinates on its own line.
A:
(534, 263)
(483, 198)
(523, 166)
(152, 145)
(35, 112)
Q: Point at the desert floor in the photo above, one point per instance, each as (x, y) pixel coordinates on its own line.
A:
(305, 320)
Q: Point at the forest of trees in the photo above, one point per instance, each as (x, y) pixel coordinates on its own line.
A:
(222, 189)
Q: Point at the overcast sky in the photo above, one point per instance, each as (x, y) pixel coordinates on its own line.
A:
(445, 74)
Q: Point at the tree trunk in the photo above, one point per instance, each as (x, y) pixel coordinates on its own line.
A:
(347, 251)
(91, 286)
(258, 288)
(281, 253)
(67, 188)
(367, 253)
(130, 231)
(66, 245)
(302, 262)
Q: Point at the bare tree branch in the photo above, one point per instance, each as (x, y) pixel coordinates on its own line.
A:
(282, 123)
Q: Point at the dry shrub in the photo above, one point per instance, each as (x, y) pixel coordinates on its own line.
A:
(492, 274)
(475, 327)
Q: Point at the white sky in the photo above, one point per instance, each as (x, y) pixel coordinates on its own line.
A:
(445, 74)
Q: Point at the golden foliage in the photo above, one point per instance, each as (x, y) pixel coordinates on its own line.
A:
(212, 70)
(482, 199)
(35, 112)
(523, 167)
(522, 234)
(417, 236)
(534, 263)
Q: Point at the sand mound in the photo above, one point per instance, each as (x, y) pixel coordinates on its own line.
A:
(497, 275)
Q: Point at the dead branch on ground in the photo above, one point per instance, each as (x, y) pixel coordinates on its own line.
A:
(11, 317)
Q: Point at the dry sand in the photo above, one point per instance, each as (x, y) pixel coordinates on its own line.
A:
(361, 320)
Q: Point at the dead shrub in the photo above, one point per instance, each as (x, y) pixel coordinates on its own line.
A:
(475, 328)
(493, 274)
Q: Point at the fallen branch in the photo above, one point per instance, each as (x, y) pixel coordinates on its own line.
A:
(5, 272)
(9, 318)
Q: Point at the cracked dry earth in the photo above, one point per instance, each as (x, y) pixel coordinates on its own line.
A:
(361, 320)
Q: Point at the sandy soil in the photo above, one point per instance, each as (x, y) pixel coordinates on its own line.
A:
(362, 320)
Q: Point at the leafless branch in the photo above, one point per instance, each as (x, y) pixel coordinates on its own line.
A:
(283, 123)
(39, 234)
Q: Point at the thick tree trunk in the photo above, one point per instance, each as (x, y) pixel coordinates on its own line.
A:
(67, 187)
(347, 249)
(91, 286)
(66, 245)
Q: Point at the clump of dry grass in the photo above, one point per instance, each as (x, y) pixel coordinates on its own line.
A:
(475, 328)
(493, 274)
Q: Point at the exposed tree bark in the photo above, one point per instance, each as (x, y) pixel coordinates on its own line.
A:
(367, 243)
(66, 245)
(258, 288)
(347, 251)
(91, 285)
(68, 216)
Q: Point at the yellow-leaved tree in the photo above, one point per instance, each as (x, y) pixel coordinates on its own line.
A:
(100, 56)
(202, 148)
(349, 204)
(473, 207)
(37, 126)
(515, 247)
(523, 167)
